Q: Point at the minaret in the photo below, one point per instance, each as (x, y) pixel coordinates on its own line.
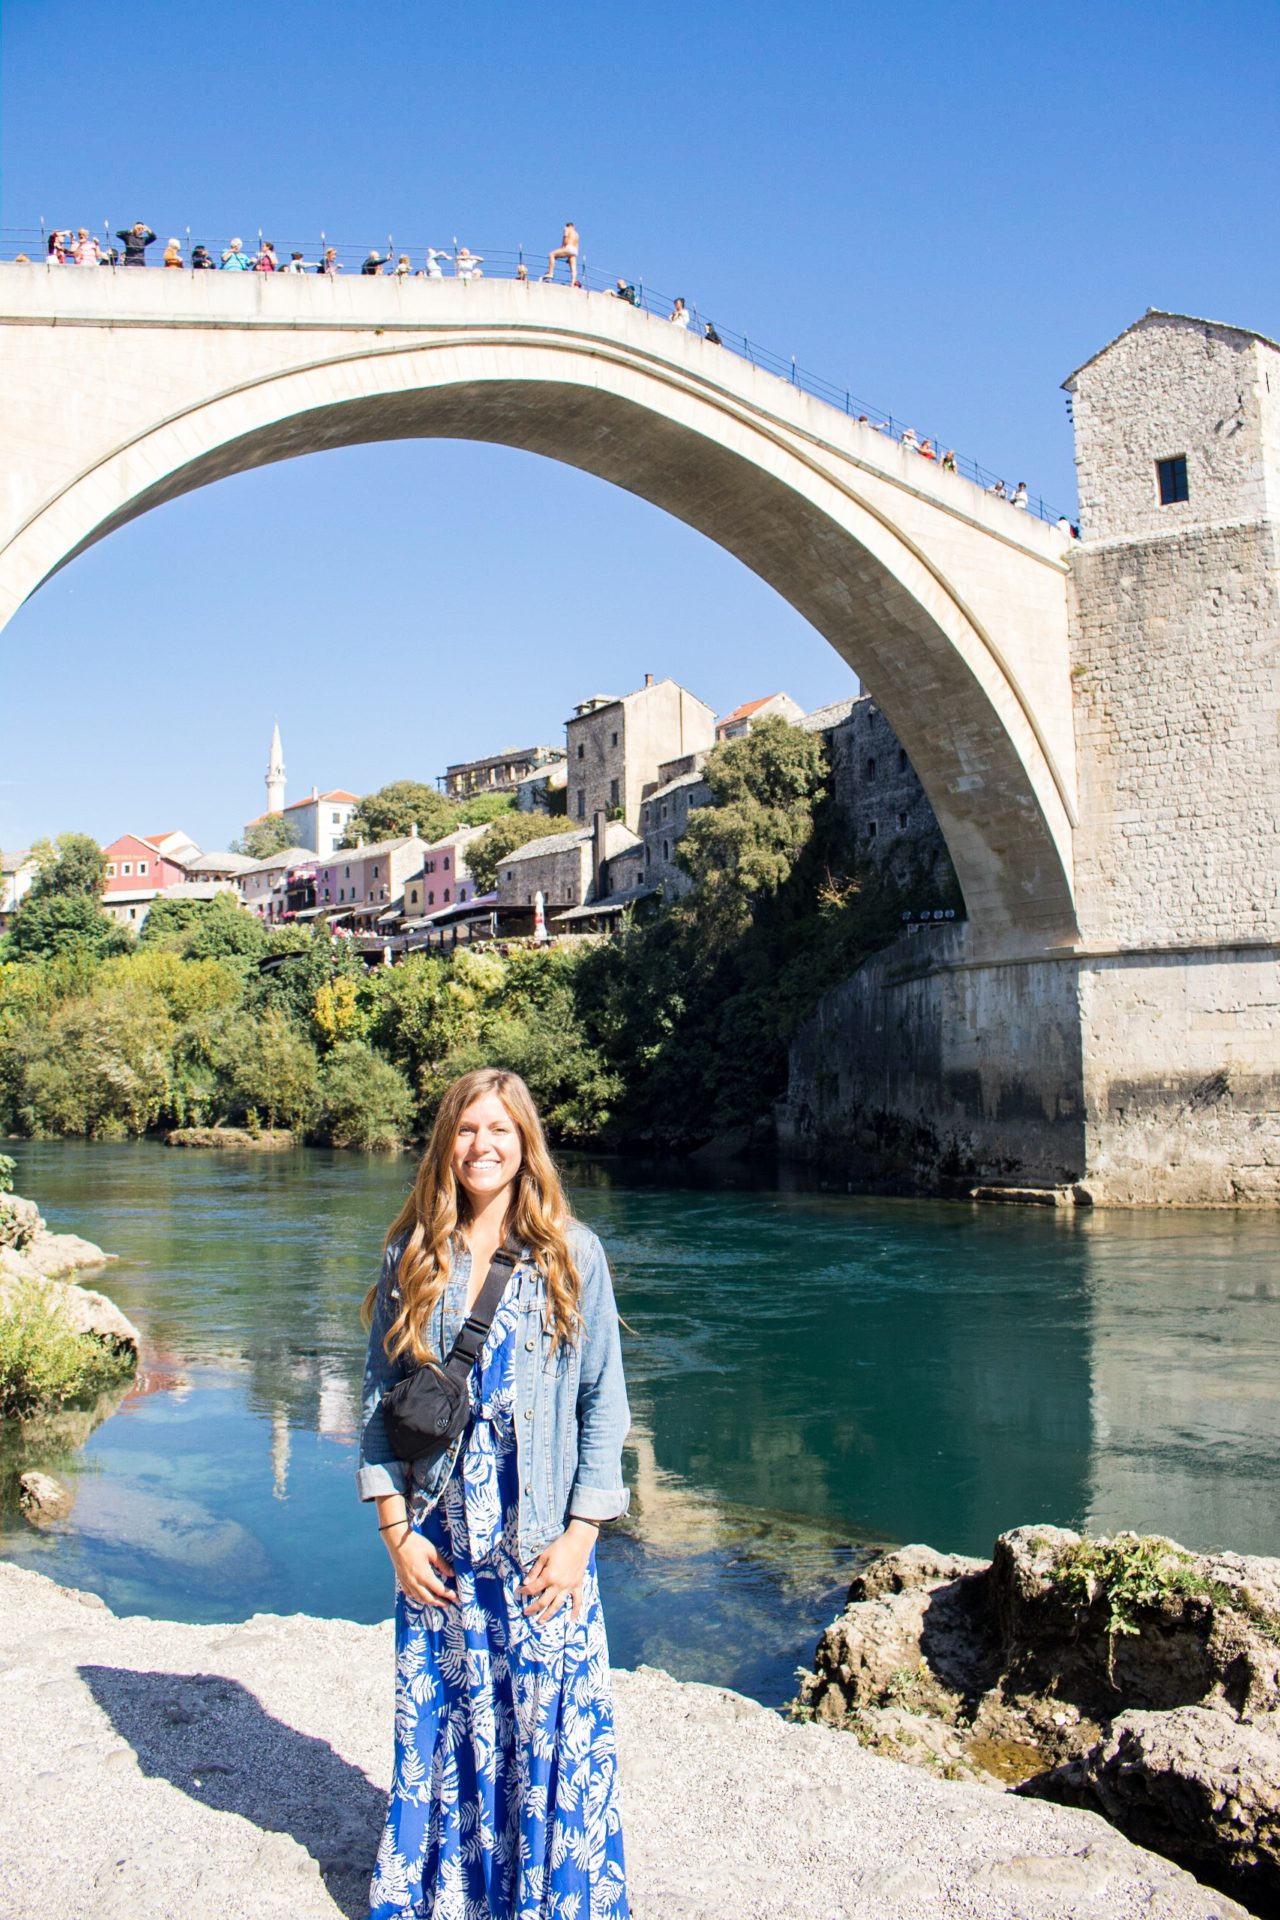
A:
(275, 773)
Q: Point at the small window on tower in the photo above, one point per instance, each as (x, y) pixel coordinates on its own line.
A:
(1171, 479)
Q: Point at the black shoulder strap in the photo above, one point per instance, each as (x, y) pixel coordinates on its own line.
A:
(474, 1330)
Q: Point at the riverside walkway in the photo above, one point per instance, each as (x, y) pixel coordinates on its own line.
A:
(240, 1773)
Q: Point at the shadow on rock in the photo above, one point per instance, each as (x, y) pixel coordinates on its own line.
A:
(209, 1736)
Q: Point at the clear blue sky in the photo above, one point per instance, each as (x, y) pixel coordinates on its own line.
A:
(946, 208)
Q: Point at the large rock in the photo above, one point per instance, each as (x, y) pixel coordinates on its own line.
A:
(85, 1311)
(1144, 1691)
(20, 1220)
(1193, 1783)
(43, 1499)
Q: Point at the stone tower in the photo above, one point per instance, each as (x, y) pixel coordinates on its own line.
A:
(275, 773)
(1175, 634)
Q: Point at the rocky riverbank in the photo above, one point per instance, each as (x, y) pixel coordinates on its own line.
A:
(239, 1773)
(1128, 1676)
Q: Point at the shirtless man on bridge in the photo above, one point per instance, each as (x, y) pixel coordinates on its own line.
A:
(567, 250)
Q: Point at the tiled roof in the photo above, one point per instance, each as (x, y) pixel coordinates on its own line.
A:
(822, 719)
(747, 707)
(681, 780)
(314, 799)
(274, 863)
(378, 848)
(549, 843)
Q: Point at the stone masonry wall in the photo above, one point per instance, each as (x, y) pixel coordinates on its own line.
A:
(1176, 684)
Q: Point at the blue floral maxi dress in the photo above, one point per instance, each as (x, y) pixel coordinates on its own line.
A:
(504, 1797)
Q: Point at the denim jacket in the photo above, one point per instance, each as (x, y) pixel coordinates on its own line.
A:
(571, 1413)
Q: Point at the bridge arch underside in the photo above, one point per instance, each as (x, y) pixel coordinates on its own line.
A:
(838, 562)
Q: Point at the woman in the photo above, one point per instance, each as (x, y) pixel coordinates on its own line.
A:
(679, 315)
(503, 1802)
(173, 254)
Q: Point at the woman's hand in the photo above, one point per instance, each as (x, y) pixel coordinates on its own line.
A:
(421, 1569)
(558, 1573)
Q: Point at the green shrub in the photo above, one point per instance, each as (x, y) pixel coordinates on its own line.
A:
(43, 1361)
(364, 1100)
(8, 1167)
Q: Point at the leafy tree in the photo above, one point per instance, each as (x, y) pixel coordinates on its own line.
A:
(262, 838)
(364, 1100)
(481, 808)
(53, 923)
(221, 929)
(740, 851)
(336, 1012)
(268, 1072)
(99, 1065)
(73, 864)
(389, 813)
(512, 830)
(189, 988)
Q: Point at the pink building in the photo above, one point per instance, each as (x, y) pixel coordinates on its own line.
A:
(136, 872)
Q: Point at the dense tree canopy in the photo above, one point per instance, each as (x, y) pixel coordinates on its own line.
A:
(262, 838)
(396, 809)
(674, 1029)
(72, 864)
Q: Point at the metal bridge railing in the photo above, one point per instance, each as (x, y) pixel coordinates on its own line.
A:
(506, 263)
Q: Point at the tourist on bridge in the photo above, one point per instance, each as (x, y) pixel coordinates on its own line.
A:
(679, 315)
(503, 1796)
(403, 267)
(909, 442)
(1020, 496)
(567, 250)
(235, 259)
(998, 491)
(927, 450)
(373, 263)
(949, 460)
(201, 258)
(330, 262)
(433, 270)
(709, 333)
(468, 265)
(173, 254)
(297, 264)
(85, 250)
(266, 261)
(59, 246)
(137, 239)
(625, 290)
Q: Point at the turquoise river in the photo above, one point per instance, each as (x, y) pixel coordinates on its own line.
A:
(810, 1373)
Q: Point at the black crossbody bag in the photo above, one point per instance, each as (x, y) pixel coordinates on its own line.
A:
(426, 1411)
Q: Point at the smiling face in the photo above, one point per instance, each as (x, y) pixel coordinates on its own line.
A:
(487, 1150)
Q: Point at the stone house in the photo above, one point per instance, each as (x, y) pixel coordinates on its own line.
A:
(534, 792)
(681, 786)
(496, 772)
(568, 869)
(615, 747)
(752, 712)
(884, 809)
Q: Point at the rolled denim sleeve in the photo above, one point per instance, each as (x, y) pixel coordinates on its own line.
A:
(379, 1470)
(602, 1410)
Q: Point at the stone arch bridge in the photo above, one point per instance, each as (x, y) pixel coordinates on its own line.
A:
(119, 391)
(1096, 724)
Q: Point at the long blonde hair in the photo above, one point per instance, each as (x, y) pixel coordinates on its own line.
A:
(428, 1223)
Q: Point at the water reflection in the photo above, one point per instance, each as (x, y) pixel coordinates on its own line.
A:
(810, 1374)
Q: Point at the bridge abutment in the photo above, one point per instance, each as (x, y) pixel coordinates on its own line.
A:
(1143, 1063)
